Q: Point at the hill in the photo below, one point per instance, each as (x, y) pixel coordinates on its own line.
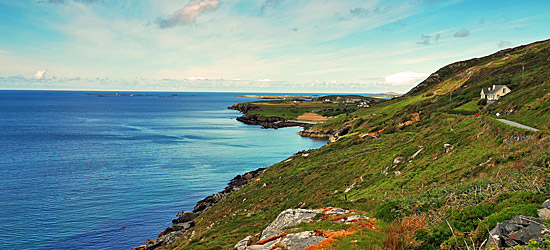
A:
(432, 173)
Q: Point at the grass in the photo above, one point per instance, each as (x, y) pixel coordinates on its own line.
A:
(486, 177)
(469, 106)
(291, 109)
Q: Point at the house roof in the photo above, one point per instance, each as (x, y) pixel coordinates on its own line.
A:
(496, 89)
(491, 90)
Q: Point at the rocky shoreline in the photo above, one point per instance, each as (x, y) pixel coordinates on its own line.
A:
(271, 122)
(186, 219)
(278, 122)
(308, 132)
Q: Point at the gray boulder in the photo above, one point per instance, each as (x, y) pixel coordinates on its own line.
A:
(544, 213)
(301, 240)
(275, 237)
(185, 217)
(243, 244)
(517, 231)
(288, 218)
(295, 241)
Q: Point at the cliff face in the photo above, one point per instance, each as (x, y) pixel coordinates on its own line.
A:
(244, 107)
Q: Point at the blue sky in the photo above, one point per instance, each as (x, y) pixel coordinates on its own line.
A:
(321, 46)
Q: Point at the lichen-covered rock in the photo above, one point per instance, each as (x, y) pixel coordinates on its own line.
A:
(288, 218)
(293, 241)
(544, 213)
(301, 240)
(278, 235)
(243, 244)
(517, 231)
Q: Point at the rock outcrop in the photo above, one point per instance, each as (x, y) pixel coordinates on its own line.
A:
(288, 218)
(308, 132)
(544, 212)
(185, 220)
(244, 107)
(270, 122)
(330, 134)
(279, 233)
(517, 231)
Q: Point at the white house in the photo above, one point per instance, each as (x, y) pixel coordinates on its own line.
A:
(494, 93)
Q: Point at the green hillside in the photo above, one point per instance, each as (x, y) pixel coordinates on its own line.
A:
(430, 159)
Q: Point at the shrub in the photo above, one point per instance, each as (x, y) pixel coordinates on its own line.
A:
(402, 234)
(482, 102)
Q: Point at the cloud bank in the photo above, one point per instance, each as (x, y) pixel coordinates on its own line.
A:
(188, 14)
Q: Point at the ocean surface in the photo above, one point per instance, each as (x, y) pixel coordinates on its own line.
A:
(82, 171)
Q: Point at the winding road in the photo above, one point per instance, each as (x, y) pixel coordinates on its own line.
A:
(517, 125)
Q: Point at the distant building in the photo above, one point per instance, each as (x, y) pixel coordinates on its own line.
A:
(494, 93)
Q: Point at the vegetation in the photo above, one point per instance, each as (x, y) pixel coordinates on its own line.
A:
(326, 106)
(437, 196)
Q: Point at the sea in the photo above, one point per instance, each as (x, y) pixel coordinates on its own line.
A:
(102, 170)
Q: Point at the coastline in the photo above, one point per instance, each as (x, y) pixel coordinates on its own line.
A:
(185, 219)
(279, 122)
(266, 122)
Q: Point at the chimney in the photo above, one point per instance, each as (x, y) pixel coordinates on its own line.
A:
(494, 87)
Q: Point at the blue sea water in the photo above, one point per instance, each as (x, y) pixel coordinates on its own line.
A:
(80, 171)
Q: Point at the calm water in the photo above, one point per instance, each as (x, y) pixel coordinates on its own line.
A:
(80, 171)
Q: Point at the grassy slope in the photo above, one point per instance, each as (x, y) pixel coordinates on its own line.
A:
(289, 109)
(481, 181)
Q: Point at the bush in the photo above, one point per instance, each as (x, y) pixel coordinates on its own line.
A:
(482, 102)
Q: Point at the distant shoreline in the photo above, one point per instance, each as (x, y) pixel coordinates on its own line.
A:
(304, 97)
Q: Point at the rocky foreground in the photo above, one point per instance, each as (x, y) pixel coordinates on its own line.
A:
(282, 233)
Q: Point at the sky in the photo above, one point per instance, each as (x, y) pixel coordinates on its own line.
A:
(278, 46)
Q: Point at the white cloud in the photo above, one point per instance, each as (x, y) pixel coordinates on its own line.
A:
(41, 74)
(405, 78)
(189, 13)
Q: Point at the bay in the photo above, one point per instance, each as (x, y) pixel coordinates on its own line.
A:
(81, 170)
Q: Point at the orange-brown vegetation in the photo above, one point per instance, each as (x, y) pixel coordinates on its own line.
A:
(402, 234)
(312, 117)
(330, 236)
(261, 242)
